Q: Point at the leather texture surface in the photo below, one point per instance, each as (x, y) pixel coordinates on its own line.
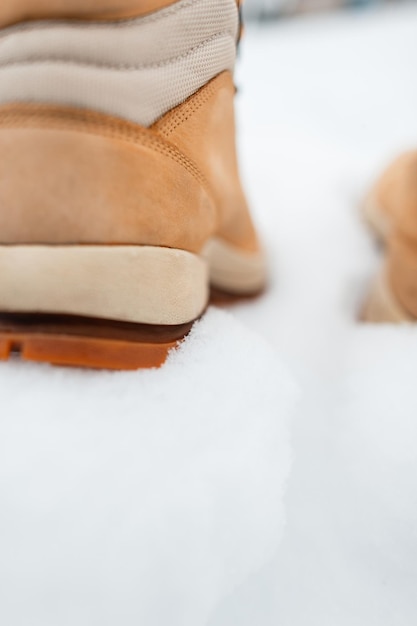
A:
(92, 178)
(73, 177)
(204, 129)
(14, 11)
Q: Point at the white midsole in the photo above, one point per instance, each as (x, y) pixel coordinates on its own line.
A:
(234, 270)
(141, 284)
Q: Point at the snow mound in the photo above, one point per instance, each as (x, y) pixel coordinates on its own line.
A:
(146, 497)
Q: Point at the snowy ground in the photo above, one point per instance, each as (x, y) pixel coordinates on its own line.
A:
(335, 100)
(142, 498)
(115, 486)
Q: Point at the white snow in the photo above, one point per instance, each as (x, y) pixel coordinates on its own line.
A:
(335, 101)
(120, 485)
(142, 498)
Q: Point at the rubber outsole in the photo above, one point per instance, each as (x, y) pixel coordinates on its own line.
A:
(89, 343)
(75, 341)
(57, 303)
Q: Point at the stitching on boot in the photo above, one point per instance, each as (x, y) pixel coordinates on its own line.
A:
(109, 66)
(183, 112)
(86, 122)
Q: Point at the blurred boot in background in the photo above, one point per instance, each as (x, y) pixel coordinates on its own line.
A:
(120, 198)
(391, 210)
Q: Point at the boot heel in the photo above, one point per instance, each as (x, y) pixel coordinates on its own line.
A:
(115, 307)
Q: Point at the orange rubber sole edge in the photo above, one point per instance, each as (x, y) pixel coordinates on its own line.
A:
(73, 341)
(79, 342)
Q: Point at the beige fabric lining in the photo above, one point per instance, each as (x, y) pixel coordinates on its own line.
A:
(136, 69)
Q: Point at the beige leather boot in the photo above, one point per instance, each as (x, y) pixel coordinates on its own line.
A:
(391, 210)
(120, 198)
